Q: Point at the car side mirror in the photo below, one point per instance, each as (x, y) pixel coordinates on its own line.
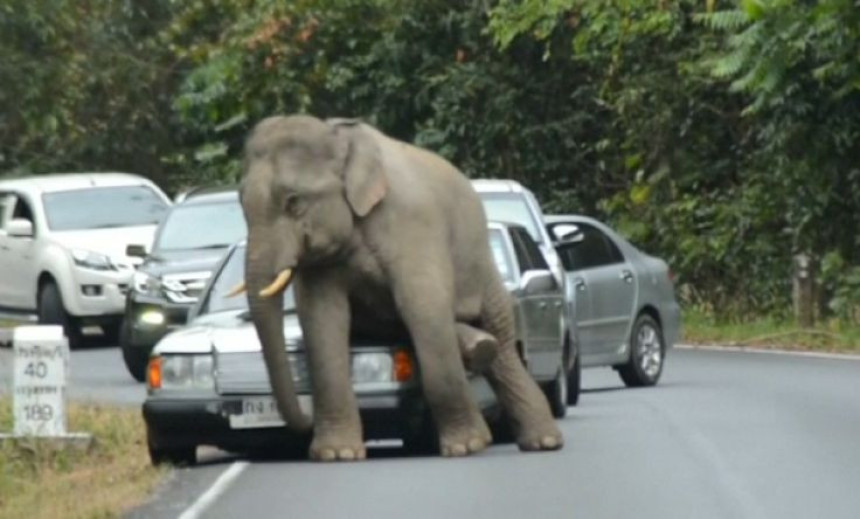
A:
(20, 228)
(135, 251)
(537, 281)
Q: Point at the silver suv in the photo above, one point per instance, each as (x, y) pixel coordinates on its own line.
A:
(509, 201)
(63, 241)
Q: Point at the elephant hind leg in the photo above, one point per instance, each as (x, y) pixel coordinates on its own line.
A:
(477, 347)
(519, 395)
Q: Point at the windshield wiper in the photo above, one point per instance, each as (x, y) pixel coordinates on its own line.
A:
(213, 246)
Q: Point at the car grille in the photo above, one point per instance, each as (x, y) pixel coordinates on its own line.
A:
(245, 373)
(186, 287)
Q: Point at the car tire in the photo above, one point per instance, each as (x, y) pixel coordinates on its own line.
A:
(647, 354)
(574, 381)
(51, 311)
(112, 330)
(177, 456)
(136, 359)
(556, 393)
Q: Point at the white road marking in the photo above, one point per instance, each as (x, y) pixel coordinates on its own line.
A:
(745, 349)
(215, 491)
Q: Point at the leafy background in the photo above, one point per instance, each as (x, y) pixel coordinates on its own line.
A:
(722, 136)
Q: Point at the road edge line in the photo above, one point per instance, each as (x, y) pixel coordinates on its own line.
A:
(215, 491)
(746, 349)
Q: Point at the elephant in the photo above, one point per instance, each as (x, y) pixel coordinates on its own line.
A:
(379, 238)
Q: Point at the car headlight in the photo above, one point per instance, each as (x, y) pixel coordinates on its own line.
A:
(92, 260)
(370, 368)
(146, 284)
(181, 372)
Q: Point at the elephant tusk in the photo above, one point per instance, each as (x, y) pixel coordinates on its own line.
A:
(278, 285)
(238, 289)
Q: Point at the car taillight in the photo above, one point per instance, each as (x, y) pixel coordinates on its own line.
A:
(670, 275)
(153, 373)
(402, 366)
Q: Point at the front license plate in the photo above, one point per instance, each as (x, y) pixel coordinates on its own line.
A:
(257, 412)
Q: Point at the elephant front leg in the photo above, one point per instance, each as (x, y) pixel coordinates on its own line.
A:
(324, 315)
(430, 320)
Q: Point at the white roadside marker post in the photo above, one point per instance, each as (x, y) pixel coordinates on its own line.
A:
(40, 375)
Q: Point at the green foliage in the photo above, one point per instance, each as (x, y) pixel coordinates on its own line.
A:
(719, 135)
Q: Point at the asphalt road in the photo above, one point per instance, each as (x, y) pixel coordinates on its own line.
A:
(725, 435)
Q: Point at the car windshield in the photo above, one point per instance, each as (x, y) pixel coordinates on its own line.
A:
(500, 255)
(228, 277)
(103, 208)
(202, 226)
(511, 208)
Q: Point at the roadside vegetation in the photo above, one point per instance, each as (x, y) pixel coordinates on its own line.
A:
(720, 135)
(833, 336)
(115, 475)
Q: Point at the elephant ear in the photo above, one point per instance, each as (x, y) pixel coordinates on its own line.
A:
(364, 176)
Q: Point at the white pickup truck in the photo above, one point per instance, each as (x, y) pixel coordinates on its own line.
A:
(63, 241)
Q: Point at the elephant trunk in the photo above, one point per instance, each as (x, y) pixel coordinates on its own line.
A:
(268, 316)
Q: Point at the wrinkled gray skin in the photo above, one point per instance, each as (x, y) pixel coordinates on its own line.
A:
(386, 240)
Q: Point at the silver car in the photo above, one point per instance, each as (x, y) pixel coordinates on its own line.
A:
(624, 306)
(207, 382)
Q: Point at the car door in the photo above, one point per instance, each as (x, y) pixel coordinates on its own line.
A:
(6, 274)
(604, 291)
(542, 310)
(18, 277)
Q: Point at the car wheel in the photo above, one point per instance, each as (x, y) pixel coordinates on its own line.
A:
(51, 311)
(556, 393)
(422, 443)
(179, 456)
(112, 330)
(647, 353)
(136, 359)
(574, 381)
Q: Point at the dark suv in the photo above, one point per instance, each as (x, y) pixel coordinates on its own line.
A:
(188, 243)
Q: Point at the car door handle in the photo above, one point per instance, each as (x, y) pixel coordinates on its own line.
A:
(579, 283)
(626, 275)
(542, 304)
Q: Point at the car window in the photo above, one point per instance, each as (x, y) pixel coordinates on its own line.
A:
(21, 209)
(5, 201)
(511, 208)
(201, 226)
(231, 274)
(530, 250)
(501, 256)
(103, 207)
(594, 250)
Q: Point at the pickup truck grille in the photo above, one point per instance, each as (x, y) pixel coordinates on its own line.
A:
(185, 287)
(245, 373)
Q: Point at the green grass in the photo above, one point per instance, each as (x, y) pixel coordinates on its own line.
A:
(114, 476)
(768, 332)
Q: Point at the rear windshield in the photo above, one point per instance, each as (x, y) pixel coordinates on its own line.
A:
(511, 208)
(103, 208)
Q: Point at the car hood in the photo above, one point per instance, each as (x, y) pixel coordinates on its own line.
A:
(171, 262)
(111, 242)
(225, 332)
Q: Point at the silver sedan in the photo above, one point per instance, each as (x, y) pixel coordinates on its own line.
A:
(626, 313)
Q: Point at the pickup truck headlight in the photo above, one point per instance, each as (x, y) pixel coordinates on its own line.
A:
(146, 284)
(181, 372)
(92, 260)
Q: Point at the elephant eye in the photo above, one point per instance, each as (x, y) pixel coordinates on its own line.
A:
(294, 205)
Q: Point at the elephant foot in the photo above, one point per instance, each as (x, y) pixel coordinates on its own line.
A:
(540, 437)
(456, 441)
(337, 447)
